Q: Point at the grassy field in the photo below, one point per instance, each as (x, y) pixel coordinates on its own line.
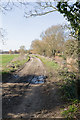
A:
(10, 66)
(6, 58)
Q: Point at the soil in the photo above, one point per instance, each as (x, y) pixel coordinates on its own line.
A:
(21, 99)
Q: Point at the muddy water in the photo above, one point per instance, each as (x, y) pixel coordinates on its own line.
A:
(38, 79)
(34, 79)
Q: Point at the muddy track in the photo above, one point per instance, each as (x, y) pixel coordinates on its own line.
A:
(24, 100)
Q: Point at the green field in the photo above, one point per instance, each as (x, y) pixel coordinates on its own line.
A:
(6, 58)
(10, 66)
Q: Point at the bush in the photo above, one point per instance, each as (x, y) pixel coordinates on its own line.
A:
(69, 94)
(68, 87)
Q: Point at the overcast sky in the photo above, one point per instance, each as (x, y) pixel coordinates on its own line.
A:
(22, 31)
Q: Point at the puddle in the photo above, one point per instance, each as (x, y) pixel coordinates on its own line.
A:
(33, 79)
(15, 76)
(38, 79)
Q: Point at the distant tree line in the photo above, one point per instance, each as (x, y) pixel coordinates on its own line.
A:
(22, 50)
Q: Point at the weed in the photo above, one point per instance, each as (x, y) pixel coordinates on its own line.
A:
(72, 110)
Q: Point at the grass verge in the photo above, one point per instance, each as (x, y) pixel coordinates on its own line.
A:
(48, 63)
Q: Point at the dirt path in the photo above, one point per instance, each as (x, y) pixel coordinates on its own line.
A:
(24, 100)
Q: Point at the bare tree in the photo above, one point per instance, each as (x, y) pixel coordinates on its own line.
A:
(31, 8)
(36, 46)
(22, 50)
(52, 40)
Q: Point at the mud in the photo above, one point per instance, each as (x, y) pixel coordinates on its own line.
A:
(28, 93)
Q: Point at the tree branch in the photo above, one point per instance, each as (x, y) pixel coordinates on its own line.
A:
(38, 14)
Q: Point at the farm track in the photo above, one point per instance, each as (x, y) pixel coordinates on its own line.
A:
(21, 99)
